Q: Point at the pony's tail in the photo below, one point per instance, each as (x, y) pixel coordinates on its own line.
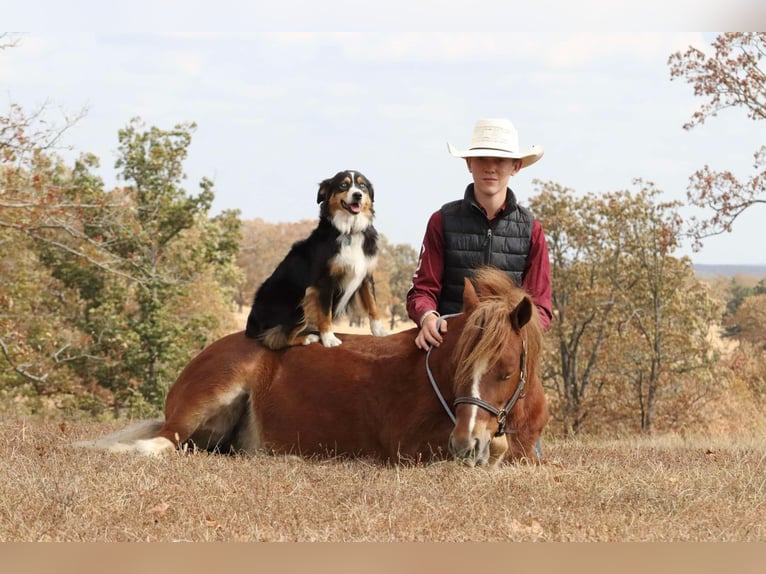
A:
(140, 437)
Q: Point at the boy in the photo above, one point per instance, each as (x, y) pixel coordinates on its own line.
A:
(486, 227)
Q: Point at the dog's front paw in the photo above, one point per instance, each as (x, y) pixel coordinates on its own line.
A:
(378, 329)
(329, 339)
(311, 338)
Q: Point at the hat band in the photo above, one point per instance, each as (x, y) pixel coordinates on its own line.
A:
(492, 149)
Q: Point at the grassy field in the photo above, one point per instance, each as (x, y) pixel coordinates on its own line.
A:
(659, 489)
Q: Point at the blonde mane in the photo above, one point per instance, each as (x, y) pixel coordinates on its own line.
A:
(488, 328)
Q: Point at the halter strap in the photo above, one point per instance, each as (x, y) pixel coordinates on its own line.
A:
(502, 414)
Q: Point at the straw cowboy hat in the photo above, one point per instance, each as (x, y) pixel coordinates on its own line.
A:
(497, 138)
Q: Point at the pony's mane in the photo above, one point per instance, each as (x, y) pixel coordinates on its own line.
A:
(488, 328)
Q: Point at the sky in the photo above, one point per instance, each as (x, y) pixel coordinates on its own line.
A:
(277, 112)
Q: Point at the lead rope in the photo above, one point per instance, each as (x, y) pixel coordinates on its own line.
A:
(431, 376)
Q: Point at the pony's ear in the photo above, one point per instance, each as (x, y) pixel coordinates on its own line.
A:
(470, 298)
(521, 315)
(324, 188)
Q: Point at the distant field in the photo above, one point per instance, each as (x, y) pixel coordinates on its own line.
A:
(709, 271)
(649, 489)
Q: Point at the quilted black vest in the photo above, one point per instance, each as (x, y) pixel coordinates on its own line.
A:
(471, 240)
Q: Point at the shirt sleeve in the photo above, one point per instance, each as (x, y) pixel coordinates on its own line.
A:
(426, 287)
(537, 274)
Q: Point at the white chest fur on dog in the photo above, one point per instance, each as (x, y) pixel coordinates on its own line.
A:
(355, 266)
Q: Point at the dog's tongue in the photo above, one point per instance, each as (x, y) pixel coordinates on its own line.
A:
(354, 207)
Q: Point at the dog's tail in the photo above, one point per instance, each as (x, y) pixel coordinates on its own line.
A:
(140, 437)
(274, 338)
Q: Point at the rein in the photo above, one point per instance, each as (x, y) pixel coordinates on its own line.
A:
(501, 414)
(431, 375)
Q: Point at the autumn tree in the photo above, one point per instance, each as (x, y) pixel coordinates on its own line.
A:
(113, 291)
(630, 319)
(167, 242)
(39, 345)
(583, 298)
(750, 319)
(399, 261)
(263, 246)
(38, 341)
(731, 77)
(664, 312)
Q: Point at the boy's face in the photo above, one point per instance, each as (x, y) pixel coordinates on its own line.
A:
(491, 174)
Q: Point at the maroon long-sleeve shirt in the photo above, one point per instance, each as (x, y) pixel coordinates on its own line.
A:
(423, 295)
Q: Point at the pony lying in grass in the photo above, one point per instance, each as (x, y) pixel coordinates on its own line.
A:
(371, 396)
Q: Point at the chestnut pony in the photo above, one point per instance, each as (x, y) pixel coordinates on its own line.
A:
(371, 396)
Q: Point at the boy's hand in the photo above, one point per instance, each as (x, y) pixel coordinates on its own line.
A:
(431, 332)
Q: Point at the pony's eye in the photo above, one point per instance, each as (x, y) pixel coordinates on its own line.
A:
(505, 376)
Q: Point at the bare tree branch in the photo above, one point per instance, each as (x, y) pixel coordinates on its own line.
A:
(731, 77)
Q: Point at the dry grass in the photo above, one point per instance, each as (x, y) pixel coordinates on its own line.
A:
(626, 490)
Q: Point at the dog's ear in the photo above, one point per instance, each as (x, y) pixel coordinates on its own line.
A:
(324, 189)
(371, 190)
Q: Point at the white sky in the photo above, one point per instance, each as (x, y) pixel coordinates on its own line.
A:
(278, 112)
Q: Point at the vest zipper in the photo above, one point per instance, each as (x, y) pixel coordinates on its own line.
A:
(488, 252)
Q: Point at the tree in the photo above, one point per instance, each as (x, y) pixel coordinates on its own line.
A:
(665, 313)
(630, 320)
(735, 292)
(262, 247)
(38, 343)
(399, 263)
(750, 319)
(167, 242)
(583, 299)
(730, 78)
(111, 290)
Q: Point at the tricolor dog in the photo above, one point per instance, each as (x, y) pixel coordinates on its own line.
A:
(325, 273)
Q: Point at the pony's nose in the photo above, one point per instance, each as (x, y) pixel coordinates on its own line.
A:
(470, 452)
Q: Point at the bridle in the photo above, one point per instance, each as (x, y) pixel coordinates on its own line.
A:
(501, 414)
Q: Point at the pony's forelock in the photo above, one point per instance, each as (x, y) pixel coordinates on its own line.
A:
(488, 327)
